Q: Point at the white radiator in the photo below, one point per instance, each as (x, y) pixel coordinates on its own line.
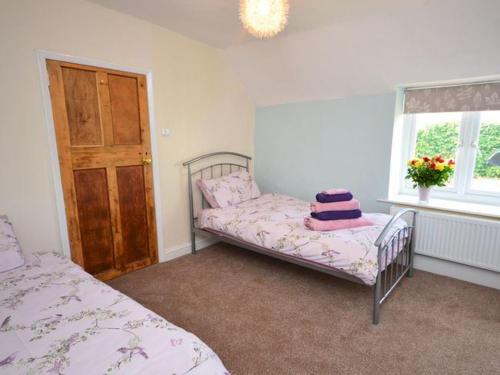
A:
(461, 239)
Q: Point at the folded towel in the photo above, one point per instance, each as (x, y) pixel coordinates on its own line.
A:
(326, 198)
(335, 191)
(335, 206)
(318, 225)
(336, 215)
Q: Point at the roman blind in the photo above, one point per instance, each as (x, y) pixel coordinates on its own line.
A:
(458, 98)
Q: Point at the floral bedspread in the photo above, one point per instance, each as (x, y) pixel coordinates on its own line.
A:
(276, 222)
(57, 319)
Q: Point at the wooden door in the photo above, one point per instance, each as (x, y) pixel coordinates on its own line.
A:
(102, 130)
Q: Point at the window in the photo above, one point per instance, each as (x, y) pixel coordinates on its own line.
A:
(486, 177)
(459, 122)
(436, 134)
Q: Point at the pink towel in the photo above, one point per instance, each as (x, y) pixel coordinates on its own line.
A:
(335, 191)
(319, 225)
(353, 204)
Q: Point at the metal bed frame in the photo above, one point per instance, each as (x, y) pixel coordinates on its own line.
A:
(398, 246)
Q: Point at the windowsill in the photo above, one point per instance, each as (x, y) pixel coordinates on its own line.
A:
(472, 209)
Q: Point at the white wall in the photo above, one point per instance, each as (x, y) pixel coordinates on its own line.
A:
(372, 52)
(196, 95)
(201, 101)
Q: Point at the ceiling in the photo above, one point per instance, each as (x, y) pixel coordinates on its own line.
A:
(216, 22)
(340, 48)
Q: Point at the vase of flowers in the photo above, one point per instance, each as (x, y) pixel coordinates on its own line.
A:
(427, 172)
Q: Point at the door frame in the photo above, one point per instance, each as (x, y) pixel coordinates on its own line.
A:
(42, 56)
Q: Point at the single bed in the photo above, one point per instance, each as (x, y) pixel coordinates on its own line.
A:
(57, 319)
(378, 256)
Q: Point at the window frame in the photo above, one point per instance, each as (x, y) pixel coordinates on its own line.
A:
(468, 143)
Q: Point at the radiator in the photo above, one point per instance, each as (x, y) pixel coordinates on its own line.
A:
(462, 239)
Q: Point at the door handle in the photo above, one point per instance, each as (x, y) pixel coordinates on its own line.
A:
(147, 161)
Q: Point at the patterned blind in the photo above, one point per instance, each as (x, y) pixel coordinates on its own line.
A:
(471, 97)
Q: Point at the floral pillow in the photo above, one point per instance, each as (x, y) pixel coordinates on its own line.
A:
(11, 255)
(229, 190)
(207, 194)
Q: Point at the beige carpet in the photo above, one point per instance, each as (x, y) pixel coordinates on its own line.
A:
(264, 316)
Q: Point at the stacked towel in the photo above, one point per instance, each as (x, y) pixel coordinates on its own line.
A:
(353, 204)
(329, 198)
(336, 215)
(327, 225)
(335, 209)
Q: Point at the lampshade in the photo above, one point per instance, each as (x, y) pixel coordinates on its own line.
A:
(264, 18)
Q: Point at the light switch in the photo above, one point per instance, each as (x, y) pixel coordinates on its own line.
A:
(165, 132)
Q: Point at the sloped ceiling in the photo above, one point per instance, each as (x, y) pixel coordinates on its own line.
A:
(341, 48)
(216, 22)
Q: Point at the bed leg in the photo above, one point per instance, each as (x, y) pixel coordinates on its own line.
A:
(192, 219)
(411, 253)
(377, 288)
(376, 302)
(193, 243)
(410, 271)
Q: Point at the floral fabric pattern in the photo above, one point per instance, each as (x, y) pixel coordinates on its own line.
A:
(57, 319)
(276, 222)
(229, 190)
(473, 97)
(11, 255)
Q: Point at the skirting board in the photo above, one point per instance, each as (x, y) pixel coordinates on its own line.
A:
(458, 271)
(178, 251)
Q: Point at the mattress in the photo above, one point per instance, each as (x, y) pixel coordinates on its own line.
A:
(276, 222)
(57, 319)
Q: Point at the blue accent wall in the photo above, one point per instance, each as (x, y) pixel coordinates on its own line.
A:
(302, 148)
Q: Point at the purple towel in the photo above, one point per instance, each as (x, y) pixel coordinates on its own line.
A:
(327, 198)
(336, 215)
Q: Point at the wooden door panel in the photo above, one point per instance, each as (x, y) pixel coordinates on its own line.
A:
(82, 107)
(94, 217)
(107, 156)
(124, 102)
(102, 131)
(133, 213)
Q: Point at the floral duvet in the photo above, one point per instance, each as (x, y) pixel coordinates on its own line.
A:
(57, 319)
(276, 222)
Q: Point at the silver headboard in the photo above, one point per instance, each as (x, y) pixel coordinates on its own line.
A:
(209, 170)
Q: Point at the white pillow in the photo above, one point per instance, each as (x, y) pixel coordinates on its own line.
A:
(229, 190)
(11, 255)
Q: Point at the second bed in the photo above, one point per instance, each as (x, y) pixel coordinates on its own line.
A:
(379, 255)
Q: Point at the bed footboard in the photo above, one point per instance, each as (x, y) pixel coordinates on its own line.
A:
(395, 258)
